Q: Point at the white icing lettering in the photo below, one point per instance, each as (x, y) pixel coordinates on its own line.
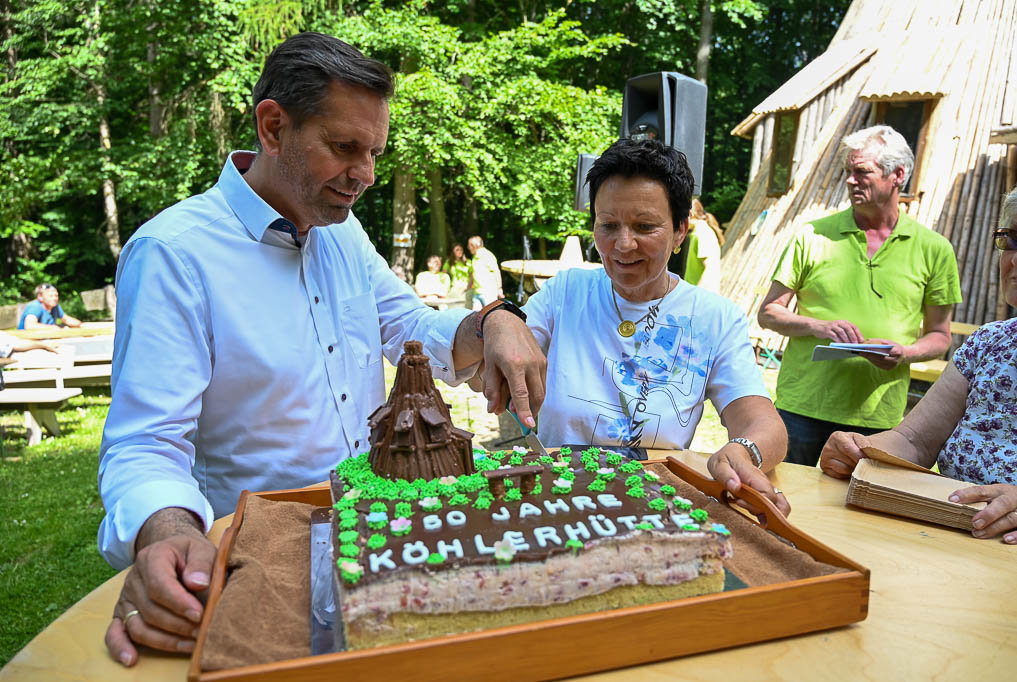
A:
(432, 522)
(415, 553)
(654, 519)
(579, 529)
(481, 547)
(546, 533)
(608, 500)
(681, 519)
(383, 560)
(556, 505)
(515, 538)
(528, 509)
(455, 546)
(629, 521)
(456, 518)
(502, 515)
(581, 502)
(602, 526)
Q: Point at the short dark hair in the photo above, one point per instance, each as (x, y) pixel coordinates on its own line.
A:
(646, 159)
(300, 69)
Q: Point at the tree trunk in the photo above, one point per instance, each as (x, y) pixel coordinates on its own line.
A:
(12, 60)
(705, 42)
(472, 220)
(156, 110)
(217, 119)
(404, 223)
(111, 229)
(439, 224)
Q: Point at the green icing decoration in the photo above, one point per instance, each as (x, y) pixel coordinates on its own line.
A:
(458, 500)
(667, 490)
(434, 558)
(597, 485)
(568, 475)
(658, 504)
(352, 577)
(404, 509)
(566, 451)
(349, 550)
(432, 507)
(348, 536)
(546, 460)
(683, 505)
(574, 545)
(513, 495)
(636, 492)
(613, 459)
(516, 460)
(378, 507)
(609, 476)
(592, 466)
(343, 504)
(644, 526)
(482, 503)
(699, 515)
(348, 514)
(348, 524)
(630, 467)
(537, 489)
(690, 526)
(509, 483)
(377, 525)
(409, 493)
(376, 541)
(486, 464)
(561, 490)
(633, 481)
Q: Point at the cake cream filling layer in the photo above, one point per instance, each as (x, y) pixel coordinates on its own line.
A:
(646, 557)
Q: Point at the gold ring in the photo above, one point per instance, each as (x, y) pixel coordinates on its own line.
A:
(776, 491)
(129, 615)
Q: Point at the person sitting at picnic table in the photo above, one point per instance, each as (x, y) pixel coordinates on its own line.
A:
(12, 344)
(633, 350)
(965, 423)
(432, 283)
(46, 310)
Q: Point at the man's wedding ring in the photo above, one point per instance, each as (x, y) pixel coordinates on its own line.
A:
(776, 491)
(129, 615)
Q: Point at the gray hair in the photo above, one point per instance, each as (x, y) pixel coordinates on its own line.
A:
(1008, 214)
(892, 151)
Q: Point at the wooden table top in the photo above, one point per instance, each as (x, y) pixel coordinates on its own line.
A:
(943, 605)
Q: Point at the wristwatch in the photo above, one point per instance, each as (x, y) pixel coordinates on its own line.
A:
(754, 453)
(500, 304)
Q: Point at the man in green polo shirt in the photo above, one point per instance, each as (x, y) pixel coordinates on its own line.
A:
(869, 274)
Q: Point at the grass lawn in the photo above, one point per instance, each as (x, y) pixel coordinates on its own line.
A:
(51, 506)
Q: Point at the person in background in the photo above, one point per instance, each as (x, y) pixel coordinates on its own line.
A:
(867, 274)
(12, 344)
(485, 276)
(432, 283)
(702, 267)
(458, 269)
(45, 310)
(967, 422)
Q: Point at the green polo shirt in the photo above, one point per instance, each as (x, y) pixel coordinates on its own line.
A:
(827, 266)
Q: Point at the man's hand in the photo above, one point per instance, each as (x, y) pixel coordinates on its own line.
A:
(999, 515)
(890, 361)
(732, 467)
(158, 606)
(512, 358)
(841, 453)
(838, 331)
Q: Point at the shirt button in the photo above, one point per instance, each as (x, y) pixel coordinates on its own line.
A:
(356, 443)
(330, 349)
(343, 397)
(315, 299)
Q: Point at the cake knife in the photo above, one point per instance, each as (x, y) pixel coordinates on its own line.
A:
(529, 434)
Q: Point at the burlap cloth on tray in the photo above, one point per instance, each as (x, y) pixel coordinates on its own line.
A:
(264, 613)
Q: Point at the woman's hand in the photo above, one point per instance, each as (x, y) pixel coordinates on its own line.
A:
(732, 467)
(841, 453)
(999, 515)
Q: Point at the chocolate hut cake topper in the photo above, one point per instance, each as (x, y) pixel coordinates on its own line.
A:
(412, 435)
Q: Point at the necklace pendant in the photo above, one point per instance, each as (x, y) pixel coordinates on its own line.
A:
(627, 328)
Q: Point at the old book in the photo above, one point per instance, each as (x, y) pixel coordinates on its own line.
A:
(911, 492)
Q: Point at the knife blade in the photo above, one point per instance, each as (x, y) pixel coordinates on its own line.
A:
(528, 434)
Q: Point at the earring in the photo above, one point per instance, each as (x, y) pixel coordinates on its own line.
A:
(677, 249)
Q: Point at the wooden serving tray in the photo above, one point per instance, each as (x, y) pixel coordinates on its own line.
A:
(561, 647)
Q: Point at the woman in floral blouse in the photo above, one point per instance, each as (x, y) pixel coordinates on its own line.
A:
(967, 422)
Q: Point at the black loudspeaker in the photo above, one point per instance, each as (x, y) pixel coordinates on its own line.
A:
(583, 165)
(671, 108)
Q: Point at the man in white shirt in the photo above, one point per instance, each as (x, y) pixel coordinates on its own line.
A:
(251, 325)
(485, 275)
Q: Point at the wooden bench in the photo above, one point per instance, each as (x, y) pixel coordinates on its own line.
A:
(39, 405)
(77, 375)
(930, 370)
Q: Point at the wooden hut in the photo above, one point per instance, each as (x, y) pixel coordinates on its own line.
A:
(943, 73)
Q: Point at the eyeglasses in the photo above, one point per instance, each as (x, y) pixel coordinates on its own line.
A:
(1005, 240)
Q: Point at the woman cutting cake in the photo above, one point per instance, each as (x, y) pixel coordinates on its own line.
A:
(632, 349)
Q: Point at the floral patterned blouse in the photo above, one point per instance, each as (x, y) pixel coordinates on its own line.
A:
(983, 447)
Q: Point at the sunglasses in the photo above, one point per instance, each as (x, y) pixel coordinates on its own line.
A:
(1005, 240)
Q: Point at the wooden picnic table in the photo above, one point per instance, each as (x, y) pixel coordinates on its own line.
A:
(54, 332)
(941, 606)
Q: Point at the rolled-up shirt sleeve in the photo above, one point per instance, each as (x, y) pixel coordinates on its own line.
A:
(403, 317)
(161, 366)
